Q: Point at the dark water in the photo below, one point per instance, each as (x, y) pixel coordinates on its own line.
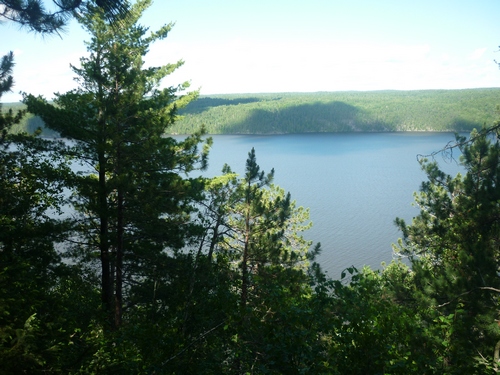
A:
(354, 184)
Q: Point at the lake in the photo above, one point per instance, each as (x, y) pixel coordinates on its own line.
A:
(355, 185)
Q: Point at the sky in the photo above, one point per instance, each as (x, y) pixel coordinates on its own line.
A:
(258, 46)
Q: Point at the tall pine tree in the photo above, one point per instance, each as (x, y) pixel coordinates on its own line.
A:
(255, 229)
(129, 192)
(453, 245)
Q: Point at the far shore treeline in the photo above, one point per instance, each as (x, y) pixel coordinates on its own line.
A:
(354, 111)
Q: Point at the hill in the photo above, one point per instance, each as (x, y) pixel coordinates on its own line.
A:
(368, 111)
(429, 110)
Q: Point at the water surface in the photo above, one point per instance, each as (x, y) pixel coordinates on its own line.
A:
(354, 184)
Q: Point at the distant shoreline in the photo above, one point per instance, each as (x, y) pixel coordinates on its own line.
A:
(330, 112)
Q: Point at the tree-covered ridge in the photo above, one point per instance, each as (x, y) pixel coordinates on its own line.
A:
(429, 110)
(426, 110)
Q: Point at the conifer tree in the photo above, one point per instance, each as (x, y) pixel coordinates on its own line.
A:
(453, 245)
(32, 274)
(256, 228)
(130, 194)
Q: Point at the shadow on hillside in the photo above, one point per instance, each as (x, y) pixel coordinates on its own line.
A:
(460, 125)
(202, 104)
(316, 117)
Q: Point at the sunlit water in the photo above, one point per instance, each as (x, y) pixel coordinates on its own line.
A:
(354, 184)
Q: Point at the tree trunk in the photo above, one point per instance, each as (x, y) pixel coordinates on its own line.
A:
(106, 279)
(244, 265)
(496, 355)
(119, 260)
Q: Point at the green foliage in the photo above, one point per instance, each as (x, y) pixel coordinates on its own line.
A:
(31, 271)
(437, 110)
(131, 199)
(9, 117)
(453, 248)
(357, 336)
(33, 14)
(252, 234)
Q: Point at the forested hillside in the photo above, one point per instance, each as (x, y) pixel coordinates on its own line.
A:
(430, 110)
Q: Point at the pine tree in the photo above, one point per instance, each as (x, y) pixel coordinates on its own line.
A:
(255, 228)
(453, 245)
(32, 274)
(132, 199)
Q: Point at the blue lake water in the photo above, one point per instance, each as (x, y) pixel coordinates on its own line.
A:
(354, 184)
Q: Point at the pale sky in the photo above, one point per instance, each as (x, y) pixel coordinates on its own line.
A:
(236, 46)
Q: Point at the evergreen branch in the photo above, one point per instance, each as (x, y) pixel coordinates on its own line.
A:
(468, 292)
(460, 142)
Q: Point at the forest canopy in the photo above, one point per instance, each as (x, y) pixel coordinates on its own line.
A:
(427, 110)
(369, 111)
